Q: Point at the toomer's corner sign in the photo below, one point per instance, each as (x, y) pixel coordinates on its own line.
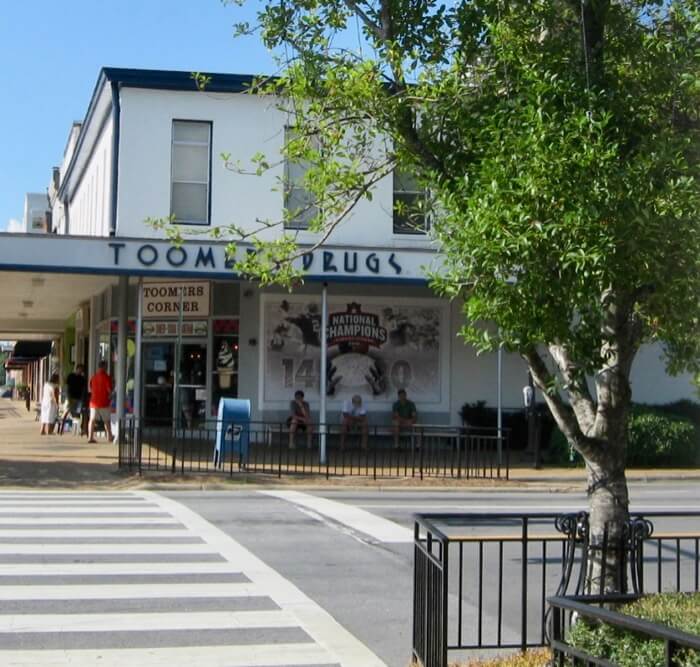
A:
(150, 257)
(168, 299)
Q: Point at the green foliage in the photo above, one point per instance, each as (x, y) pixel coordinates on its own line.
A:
(563, 174)
(676, 610)
(559, 144)
(560, 453)
(657, 436)
(657, 439)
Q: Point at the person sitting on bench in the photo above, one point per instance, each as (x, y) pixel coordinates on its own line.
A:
(299, 419)
(403, 416)
(354, 416)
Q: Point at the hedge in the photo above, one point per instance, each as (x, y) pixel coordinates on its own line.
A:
(626, 649)
(657, 437)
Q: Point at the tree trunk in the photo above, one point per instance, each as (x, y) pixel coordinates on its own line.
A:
(606, 568)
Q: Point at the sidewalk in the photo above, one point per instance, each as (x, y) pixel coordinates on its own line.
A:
(30, 459)
(68, 461)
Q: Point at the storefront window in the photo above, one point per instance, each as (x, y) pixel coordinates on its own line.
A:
(225, 367)
(192, 384)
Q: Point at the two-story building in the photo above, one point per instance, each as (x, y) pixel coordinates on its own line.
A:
(176, 322)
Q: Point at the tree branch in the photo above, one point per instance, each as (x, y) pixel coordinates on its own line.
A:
(562, 413)
(576, 386)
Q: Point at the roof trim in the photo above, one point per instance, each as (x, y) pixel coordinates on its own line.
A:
(161, 79)
(101, 80)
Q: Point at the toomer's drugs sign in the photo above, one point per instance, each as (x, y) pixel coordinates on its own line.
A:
(166, 299)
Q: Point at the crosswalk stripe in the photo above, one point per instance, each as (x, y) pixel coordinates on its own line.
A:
(145, 622)
(52, 509)
(71, 533)
(377, 527)
(87, 521)
(154, 567)
(112, 549)
(128, 591)
(263, 655)
(161, 598)
(56, 502)
(313, 619)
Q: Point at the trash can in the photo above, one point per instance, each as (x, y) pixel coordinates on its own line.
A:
(232, 429)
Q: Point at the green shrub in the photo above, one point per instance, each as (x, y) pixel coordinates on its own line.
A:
(626, 649)
(657, 437)
(560, 453)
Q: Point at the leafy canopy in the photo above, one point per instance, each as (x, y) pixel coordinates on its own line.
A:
(557, 140)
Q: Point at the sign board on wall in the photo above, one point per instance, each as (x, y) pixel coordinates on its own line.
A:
(374, 348)
(169, 328)
(165, 299)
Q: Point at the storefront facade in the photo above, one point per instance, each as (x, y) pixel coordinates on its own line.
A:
(180, 330)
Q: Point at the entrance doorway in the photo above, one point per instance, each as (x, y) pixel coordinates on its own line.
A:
(175, 398)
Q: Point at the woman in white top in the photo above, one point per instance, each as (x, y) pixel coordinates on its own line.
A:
(49, 405)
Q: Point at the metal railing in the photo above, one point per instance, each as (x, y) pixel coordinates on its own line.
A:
(423, 451)
(481, 581)
(588, 607)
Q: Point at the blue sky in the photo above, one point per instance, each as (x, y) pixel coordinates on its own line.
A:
(52, 53)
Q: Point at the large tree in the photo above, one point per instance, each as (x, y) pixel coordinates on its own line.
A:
(556, 142)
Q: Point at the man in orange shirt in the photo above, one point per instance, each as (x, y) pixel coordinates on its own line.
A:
(100, 401)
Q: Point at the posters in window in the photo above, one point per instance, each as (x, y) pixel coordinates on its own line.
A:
(374, 349)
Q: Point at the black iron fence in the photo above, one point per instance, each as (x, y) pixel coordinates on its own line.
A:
(420, 451)
(481, 581)
(564, 609)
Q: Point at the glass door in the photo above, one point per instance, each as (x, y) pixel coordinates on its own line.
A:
(192, 385)
(158, 383)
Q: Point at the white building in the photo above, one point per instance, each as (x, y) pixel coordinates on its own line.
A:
(150, 147)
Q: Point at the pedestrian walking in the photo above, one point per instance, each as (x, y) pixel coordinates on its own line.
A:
(76, 386)
(101, 388)
(49, 405)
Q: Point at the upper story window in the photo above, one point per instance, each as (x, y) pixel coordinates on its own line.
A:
(410, 205)
(299, 203)
(190, 172)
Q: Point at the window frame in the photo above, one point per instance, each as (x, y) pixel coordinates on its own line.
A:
(173, 181)
(424, 193)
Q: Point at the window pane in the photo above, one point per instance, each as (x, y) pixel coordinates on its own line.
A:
(190, 163)
(187, 131)
(189, 203)
(404, 182)
(409, 218)
(300, 204)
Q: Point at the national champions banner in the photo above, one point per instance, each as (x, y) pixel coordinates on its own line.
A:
(374, 349)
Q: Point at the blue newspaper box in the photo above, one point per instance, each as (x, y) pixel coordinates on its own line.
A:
(232, 429)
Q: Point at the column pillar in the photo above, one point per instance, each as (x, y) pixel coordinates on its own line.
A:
(123, 316)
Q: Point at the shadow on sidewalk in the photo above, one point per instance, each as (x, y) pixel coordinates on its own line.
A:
(62, 474)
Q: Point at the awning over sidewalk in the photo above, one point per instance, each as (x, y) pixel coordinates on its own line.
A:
(27, 351)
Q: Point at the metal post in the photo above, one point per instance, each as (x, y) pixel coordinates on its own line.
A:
(499, 404)
(123, 313)
(138, 379)
(178, 353)
(322, 380)
(92, 341)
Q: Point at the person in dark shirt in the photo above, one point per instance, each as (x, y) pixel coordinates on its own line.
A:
(299, 419)
(404, 415)
(76, 385)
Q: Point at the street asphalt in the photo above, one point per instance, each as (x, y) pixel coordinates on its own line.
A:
(363, 580)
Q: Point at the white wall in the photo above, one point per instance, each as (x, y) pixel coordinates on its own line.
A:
(651, 383)
(89, 209)
(243, 125)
